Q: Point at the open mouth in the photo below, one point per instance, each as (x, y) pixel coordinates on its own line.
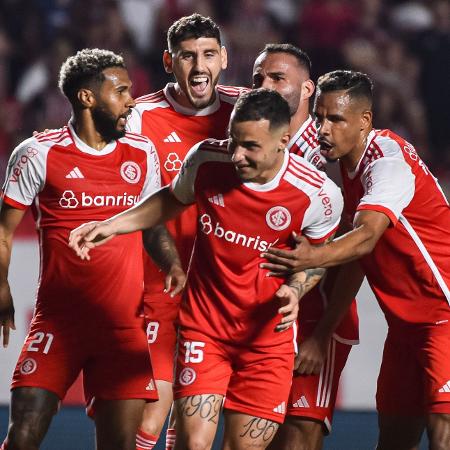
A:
(325, 146)
(199, 84)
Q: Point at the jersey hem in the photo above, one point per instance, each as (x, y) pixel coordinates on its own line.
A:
(382, 209)
(14, 203)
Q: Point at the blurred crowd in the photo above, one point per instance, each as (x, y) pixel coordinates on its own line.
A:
(403, 45)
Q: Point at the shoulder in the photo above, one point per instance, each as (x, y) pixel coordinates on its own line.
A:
(214, 146)
(303, 175)
(47, 139)
(230, 94)
(151, 102)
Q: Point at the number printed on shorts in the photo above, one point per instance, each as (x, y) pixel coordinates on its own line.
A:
(194, 352)
(152, 332)
(38, 339)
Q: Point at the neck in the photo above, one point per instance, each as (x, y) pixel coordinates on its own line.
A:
(86, 131)
(270, 174)
(298, 119)
(351, 159)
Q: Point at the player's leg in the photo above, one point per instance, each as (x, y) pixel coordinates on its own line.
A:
(400, 395)
(171, 431)
(46, 368)
(32, 410)
(299, 433)
(202, 375)
(197, 419)
(161, 334)
(116, 423)
(243, 431)
(435, 358)
(118, 382)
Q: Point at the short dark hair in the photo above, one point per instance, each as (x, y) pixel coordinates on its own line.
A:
(357, 84)
(194, 26)
(262, 104)
(301, 56)
(85, 69)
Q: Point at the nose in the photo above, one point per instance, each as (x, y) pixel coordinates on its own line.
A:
(267, 83)
(237, 154)
(199, 63)
(323, 127)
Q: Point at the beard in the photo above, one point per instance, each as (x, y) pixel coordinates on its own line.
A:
(106, 124)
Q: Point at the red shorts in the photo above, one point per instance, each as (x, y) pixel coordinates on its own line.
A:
(414, 377)
(160, 316)
(114, 361)
(314, 396)
(254, 381)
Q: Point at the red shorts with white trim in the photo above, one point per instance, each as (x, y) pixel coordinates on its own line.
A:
(160, 316)
(414, 377)
(254, 381)
(314, 396)
(115, 361)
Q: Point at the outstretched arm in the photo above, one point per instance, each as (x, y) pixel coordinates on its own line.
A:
(160, 246)
(368, 227)
(9, 220)
(153, 210)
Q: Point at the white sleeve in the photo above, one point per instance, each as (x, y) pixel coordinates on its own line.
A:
(183, 185)
(389, 186)
(25, 175)
(313, 156)
(134, 122)
(153, 180)
(324, 213)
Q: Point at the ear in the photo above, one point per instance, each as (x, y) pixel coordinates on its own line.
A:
(284, 140)
(167, 61)
(307, 89)
(223, 58)
(366, 120)
(86, 98)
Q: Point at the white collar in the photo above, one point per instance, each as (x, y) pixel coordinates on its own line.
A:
(83, 147)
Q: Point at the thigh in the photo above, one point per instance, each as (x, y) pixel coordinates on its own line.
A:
(32, 410)
(52, 356)
(197, 418)
(116, 423)
(434, 357)
(400, 385)
(314, 396)
(119, 367)
(261, 380)
(160, 319)
(399, 432)
(203, 366)
(243, 431)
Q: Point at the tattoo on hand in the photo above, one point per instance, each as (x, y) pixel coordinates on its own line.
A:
(258, 428)
(206, 406)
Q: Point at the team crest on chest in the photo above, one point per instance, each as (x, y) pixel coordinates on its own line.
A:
(278, 218)
(130, 172)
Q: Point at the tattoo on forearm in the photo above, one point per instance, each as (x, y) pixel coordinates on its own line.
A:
(160, 245)
(257, 428)
(206, 406)
(306, 280)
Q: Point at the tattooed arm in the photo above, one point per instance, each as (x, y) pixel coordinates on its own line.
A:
(293, 290)
(160, 245)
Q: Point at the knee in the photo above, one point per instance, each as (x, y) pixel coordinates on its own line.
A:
(23, 436)
(439, 432)
(197, 442)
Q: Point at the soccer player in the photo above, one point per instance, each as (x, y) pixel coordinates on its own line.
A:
(251, 194)
(87, 315)
(175, 118)
(400, 236)
(286, 69)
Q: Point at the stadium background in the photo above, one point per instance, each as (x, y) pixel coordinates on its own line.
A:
(402, 45)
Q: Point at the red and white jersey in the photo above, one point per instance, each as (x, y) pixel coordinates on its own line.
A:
(69, 183)
(175, 129)
(409, 269)
(228, 296)
(304, 143)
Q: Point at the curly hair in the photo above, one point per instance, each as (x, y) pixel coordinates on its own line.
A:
(85, 70)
